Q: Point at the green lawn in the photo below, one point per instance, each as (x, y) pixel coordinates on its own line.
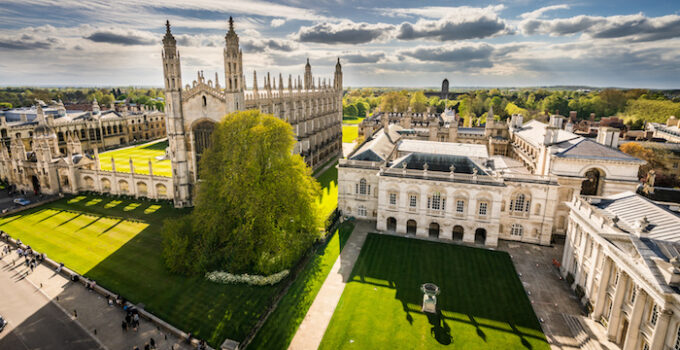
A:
(349, 120)
(94, 236)
(482, 302)
(140, 159)
(280, 327)
(350, 133)
(329, 186)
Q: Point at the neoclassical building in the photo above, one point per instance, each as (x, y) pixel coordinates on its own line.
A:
(458, 188)
(622, 256)
(314, 109)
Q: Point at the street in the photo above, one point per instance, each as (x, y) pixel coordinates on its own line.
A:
(34, 321)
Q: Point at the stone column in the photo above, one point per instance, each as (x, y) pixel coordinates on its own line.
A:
(613, 325)
(635, 319)
(567, 257)
(598, 308)
(659, 336)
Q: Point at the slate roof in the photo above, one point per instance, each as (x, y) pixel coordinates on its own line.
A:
(438, 162)
(448, 148)
(379, 147)
(533, 132)
(589, 149)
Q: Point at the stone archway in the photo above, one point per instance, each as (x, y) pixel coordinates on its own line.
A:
(592, 185)
(458, 233)
(391, 224)
(36, 184)
(411, 227)
(433, 230)
(480, 236)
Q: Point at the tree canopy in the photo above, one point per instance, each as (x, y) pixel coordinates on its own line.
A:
(256, 208)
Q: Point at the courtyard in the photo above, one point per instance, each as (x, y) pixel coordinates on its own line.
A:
(117, 242)
(140, 155)
(482, 302)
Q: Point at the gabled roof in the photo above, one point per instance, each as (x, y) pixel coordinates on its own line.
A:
(589, 149)
(379, 147)
(533, 132)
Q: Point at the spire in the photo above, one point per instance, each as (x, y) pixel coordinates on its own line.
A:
(168, 39)
(231, 24)
(280, 82)
(290, 82)
(308, 65)
(338, 67)
(255, 82)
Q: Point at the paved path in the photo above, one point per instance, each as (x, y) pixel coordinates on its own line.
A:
(318, 316)
(93, 313)
(33, 321)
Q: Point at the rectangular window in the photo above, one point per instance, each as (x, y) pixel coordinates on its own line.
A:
(393, 198)
(361, 211)
(460, 206)
(676, 346)
(645, 345)
(654, 315)
(483, 206)
(413, 201)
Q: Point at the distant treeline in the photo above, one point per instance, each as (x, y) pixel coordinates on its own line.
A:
(12, 97)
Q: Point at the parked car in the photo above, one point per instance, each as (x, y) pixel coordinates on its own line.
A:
(22, 201)
(3, 323)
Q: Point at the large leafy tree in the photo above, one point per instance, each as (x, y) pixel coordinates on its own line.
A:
(256, 208)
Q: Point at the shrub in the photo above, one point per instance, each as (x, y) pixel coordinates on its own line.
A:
(254, 280)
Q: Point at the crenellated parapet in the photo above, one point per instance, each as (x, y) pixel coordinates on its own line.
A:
(200, 85)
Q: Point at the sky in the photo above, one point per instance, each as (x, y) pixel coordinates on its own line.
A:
(601, 43)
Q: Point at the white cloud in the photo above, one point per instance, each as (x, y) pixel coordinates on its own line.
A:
(277, 22)
(539, 13)
(442, 11)
(345, 32)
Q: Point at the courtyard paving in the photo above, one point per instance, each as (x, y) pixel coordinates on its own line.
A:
(563, 320)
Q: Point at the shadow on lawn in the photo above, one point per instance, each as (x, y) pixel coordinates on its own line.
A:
(158, 146)
(478, 283)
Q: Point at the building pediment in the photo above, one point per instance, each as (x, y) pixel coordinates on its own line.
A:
(202, 89)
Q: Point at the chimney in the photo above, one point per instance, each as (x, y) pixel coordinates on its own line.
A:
(608, 136)
(573, 115)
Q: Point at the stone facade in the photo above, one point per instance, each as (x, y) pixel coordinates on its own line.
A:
(621, 255)
(313, 109)
(507, 181)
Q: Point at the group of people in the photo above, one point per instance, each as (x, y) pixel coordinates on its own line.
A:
(148, 346)
(131, 320)
(31, 258)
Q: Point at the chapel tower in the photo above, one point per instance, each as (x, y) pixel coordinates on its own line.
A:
(309, 81)
(177, 138)
(233, 71)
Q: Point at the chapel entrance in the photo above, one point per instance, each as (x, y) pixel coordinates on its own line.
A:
(411, 227)
(480, 236)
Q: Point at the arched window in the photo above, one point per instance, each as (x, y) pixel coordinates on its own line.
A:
(205, 101)
(516, 230)
(363, 187)
(520, 204)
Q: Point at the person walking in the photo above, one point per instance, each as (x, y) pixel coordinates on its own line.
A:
(152, 342)
(123, 325)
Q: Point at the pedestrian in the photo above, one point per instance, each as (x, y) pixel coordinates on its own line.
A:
(128, 319)
(135, 348)
(61, 266)
(124, 326)
(147, 347)
(152, 342)
(20, 251)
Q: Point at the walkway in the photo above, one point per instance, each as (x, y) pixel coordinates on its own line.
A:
(318, 316)
(94, 316)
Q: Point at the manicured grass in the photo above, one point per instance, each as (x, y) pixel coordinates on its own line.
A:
(140, 159)
(350, 133)
(482, 303)
(95, 237)
(329, 187)
(348, 120)
(281, 326)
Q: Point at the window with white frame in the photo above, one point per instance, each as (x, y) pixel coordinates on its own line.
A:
(363, 187)
(676, 345)
(632, 292)
(516, 230)
(393, 198)
(654, 315)
(460, 206)
(436, 202)
(520, 204)
(413, 201)
(361, 211)
(483, 207)
(644, 345)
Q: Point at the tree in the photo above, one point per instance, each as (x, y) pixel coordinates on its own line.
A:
(350, 111)
(5, 105)
(394, 101)
(362, 108)
(418, 102)
(256, 207)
